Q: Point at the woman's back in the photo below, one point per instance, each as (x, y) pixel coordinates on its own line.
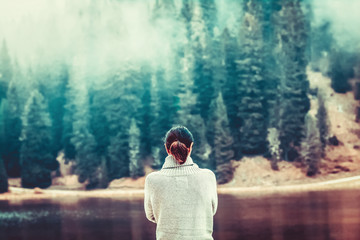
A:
(181, 200)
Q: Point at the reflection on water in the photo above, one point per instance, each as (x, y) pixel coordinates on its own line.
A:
(84, 218)
(313, 215)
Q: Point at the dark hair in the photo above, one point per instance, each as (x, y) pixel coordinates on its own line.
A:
(178, 140)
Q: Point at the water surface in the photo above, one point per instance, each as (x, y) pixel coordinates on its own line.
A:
(312, 215)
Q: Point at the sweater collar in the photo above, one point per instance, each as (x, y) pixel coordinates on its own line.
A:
(172, 168)
(171, 162)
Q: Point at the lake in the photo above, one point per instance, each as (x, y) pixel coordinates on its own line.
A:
(311, 215)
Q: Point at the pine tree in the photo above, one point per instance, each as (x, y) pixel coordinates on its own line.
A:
(36, 157)
(166, 105)
(157, 156)
(201, 148)
(5, 70)
(2, 129)
(274, 147)
(86, 158)
(67, 131)
(202, 67)
(271, 66)
(323, 123)
(230, 95)
(339, 71)
(12, 128)
(222, 151)
(5, 78)
(4, 186)
(87, 163)
(270, 8)
(146, 114)
(251, 108)
(11, 109)
(119, 162)
(99, 125)
(52, 79)
(186, 15)
(208, 9)
(69, 149)
(203, 79)
(121, 105)
(294, 84)
(135, 168)
(311, 146)
(185, 89)
(57, 101)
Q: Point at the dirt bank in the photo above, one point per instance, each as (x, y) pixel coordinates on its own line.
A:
(18, 194)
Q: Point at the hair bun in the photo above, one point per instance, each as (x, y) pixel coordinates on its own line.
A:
(179, 151)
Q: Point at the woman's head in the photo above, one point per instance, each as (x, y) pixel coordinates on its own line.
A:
(178, 143)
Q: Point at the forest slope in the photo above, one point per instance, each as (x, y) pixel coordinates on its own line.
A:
(340, 161)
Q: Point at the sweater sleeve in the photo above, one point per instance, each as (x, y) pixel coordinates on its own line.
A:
(147, 202)
(215, 196)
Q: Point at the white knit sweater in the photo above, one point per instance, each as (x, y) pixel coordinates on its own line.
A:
(181, 200)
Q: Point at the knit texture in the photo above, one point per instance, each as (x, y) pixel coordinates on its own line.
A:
(181, 200)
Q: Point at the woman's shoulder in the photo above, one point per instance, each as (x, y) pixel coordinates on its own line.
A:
(153, 176)
(208, 172)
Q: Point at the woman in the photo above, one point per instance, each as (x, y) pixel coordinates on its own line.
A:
(181, 198)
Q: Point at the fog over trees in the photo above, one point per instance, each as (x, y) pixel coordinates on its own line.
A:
(102, 82)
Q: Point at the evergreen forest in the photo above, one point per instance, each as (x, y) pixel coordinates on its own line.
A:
(102, 82)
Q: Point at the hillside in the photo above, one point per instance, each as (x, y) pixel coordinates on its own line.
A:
(340, 161)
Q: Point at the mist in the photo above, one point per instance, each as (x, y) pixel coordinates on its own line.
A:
(106, 33)
(113, 32)
(344, 18)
